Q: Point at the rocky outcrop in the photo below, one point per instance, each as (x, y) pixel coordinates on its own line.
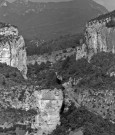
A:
(12, 48)
(47, 104)
(81, 52)
(100, 34)
(77, 132)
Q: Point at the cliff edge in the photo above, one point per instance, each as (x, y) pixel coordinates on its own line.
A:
(12, 48)
(100, 33)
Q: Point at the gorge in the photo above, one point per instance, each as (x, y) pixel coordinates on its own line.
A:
(40, 107)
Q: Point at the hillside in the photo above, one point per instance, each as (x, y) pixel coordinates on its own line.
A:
(45, 21)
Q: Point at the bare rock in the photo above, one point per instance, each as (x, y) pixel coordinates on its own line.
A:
(12, 48)
(49, 103)
(100, 37)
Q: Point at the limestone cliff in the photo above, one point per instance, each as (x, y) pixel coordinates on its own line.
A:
(12, 48)
(100, 34)
(47, 104)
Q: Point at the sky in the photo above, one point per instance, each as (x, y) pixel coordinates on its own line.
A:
(109, 4)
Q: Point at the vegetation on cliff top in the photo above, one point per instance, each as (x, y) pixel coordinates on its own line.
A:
(104, 16)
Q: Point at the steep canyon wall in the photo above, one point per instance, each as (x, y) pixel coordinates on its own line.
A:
(12, 48)
(100, 35)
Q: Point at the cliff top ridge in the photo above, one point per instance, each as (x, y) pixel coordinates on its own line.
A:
(2, 25)
(7, 32)
(108, 17)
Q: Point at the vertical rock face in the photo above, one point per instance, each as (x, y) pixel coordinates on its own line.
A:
(100, 34)
(12, 48)
(81, 52)
(47, 103)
